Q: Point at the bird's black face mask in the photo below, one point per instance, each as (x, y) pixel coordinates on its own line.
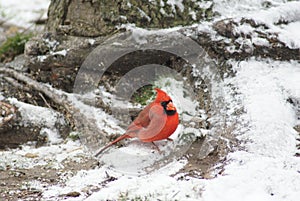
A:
(169, 108)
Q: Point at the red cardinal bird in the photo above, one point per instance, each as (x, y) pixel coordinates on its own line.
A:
(156, 122)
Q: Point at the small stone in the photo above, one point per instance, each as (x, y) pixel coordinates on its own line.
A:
(31, 155)
(73, 194)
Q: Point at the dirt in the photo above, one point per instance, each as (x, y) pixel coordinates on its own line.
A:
(203, 168)
(296, 106)
(14, 183)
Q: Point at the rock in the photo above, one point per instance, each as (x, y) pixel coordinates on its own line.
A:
(73, 194)
(235, 43)
(225, 28)
(12, 133)
(55, 59)
(19, 63)
(31, 155)
(22, 122)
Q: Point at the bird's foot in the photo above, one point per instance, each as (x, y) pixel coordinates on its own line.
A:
(156, 147)
(171, 140)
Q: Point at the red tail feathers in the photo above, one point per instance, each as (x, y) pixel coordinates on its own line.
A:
(111, 143)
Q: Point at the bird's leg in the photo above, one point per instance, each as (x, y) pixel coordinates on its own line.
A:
(171, 140)
(156, 147)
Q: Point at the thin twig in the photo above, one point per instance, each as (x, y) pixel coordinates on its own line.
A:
(15, 83)
(45, 101)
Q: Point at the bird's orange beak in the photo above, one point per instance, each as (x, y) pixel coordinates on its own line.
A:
(171, 106)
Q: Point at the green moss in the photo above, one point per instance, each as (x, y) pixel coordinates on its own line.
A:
(143, 95)
(13, 46)
(74, 136)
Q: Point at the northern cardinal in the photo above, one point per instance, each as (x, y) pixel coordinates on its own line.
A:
(157, 121)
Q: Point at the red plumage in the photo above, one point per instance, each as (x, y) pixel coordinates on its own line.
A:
(157, 121)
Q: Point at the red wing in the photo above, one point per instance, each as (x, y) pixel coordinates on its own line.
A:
(133, 129)
(158, 120)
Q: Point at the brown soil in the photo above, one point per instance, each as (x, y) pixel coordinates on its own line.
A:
(13, 181)
(205, 168)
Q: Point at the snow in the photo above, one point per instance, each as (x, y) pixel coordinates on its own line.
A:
(265, 88)
(240, 8)
(38, 115)
(149, 186)
(23, 14)
(61, 52)
(177, 3)
(286, 13)
(265, 168)
(254, 177)
(289, 12)
(49, 156)
(283, 18)
(290, 34)
(143, 14)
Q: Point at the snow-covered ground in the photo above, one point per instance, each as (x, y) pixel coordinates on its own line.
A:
(266, 168)
(23, 13)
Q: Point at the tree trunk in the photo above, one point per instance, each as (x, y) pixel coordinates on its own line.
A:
(102, 17)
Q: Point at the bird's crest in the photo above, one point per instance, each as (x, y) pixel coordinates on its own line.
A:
(161, 96)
